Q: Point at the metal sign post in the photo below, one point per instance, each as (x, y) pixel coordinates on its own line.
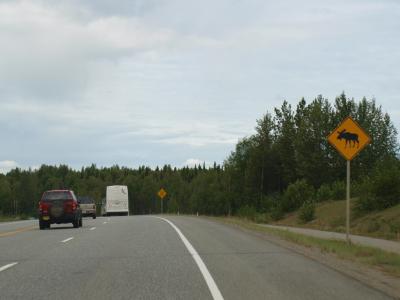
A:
(162, 193)
(348, 139)
(348, 203)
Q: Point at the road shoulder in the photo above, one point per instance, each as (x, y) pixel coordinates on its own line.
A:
(386, 245)
(372, 277)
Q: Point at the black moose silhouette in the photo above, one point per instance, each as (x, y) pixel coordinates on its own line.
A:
(348, 137)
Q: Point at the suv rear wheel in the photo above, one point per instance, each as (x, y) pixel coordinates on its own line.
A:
(76, 223)
(42, 225)
(94, 216)
(80, 222)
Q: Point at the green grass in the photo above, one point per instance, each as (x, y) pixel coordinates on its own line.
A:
(387, 262)
(330, 216)
(12, 218)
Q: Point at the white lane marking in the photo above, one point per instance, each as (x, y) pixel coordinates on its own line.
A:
(67, 240)
(93, 228)
(104, 222)
(8, 266)
(212, 286)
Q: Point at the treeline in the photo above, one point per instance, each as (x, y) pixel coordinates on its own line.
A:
(288, 162)
(285, 165)
(20, 190)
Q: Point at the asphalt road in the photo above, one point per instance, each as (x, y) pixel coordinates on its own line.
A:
(144, 257)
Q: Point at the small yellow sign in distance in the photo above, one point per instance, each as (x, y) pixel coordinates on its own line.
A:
(349, 138)
(162, 193)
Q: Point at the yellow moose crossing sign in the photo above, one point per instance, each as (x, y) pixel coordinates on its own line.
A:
(162, 193)
(349, 138)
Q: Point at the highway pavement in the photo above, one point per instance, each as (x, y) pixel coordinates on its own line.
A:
(147, 257)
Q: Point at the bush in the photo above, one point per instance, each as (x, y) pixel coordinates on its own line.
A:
(394, 226)
(338, 190)
(276, 213)
(275, 206)
(296, 194)
(382, 189)
(307, 212)
(366, 201)
(334, 191)
(356, 188)
(324, 193)
(261, 218)
(248, 212)
(267, 202)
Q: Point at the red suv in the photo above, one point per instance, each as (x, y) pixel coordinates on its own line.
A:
(59, 206)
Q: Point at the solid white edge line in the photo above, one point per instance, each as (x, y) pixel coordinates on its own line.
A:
(3, 268)
(93, 228)
(212, 286)
(67, 240)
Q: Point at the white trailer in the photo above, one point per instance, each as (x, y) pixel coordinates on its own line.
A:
(116, 201)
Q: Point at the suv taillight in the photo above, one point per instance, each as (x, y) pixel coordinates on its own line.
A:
(70, 206)
(44, 207)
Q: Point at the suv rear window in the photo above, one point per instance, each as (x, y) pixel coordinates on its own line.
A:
(51, 196)
(85, 200)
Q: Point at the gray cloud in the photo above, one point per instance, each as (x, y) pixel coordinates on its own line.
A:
(7, 165)
(153, 82)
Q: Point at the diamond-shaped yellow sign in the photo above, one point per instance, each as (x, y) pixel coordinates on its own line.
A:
(162, 193)
(349, 138)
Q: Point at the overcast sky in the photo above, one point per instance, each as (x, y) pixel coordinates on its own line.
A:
(153, 82)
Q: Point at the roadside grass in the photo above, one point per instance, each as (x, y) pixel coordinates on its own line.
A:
(330, 216)
(385, 261)
(5, 218)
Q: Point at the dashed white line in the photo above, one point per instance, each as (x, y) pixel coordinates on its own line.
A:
(67, 240)
(93, 228)
(3, 268)
(104, 222)
(212, 286)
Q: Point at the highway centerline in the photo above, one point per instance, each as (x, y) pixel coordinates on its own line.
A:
(67, 240)
(212, 286)
(3, 268)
